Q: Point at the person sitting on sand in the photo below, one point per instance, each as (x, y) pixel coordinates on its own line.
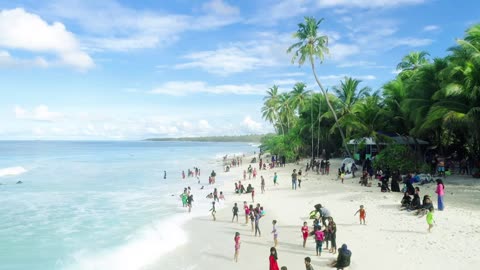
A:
(308, 263)
(249, 188)
(406, 200)
(426, 204)
(416, 204)
(343, 259)
(209, 196)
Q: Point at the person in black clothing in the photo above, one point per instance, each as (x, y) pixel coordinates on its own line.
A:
(343, 259)
(406, 200)
(235, 211)
(408, 182)
(394, 185)
(416, 204)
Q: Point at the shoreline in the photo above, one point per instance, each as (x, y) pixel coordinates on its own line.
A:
(402, 238)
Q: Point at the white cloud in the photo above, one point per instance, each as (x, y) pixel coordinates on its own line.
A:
(366, 3)
(6, 60)
(39, 113)
(21, 30)
(112, 26)
(180, 88)
(363, 64)
(251, 125)
(340, 51)
(411, 42)
(429, 28)
(339, 77)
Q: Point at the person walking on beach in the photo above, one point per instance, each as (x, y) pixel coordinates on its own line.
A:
(164, 174)
(252, 217)
(254, 173)
(262, 184)
(308, 263)
(183, 174)
(237, 246)
(430, 219)
(273, 259)
(319, 237)
(294, 179)
(305, 233)
(189, 203)
(440, 193)
(235, 212)
(244, 175)
(253, 194)
(363, 214)
(275, 178)
(275, 233)
(213, 211)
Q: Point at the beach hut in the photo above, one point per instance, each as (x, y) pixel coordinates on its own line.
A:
(371, 144)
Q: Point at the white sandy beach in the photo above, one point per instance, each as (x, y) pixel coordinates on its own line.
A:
(392, 239)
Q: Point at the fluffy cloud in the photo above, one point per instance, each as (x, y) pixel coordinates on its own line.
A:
(21, 30)
(39, 113)
(112, 26)
(251, 125)
(181, 88)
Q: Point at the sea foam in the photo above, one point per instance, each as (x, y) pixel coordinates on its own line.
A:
(12, 171)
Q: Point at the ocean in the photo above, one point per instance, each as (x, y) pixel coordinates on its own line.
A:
(99, 205)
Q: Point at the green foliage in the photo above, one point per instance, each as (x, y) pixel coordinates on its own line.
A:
(396, 157)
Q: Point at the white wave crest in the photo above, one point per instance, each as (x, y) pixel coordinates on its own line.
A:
(12, 171)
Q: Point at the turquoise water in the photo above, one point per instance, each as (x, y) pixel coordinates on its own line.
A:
(98, 205)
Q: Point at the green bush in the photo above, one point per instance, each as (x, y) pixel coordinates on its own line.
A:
(396, 157)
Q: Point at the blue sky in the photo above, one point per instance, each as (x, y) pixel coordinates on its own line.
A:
(127, 69)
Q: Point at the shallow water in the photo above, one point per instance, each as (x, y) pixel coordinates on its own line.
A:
(97, 205)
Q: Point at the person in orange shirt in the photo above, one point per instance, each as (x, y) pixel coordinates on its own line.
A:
(363, 214)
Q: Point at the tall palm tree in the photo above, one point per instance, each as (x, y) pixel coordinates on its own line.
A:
(286, 112)
(413, 61)
(313, 46)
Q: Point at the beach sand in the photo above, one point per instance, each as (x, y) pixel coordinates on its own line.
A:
(392, 239)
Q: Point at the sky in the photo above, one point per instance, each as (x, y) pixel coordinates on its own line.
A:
(129, 70)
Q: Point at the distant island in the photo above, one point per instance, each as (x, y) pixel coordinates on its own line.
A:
(242, 138)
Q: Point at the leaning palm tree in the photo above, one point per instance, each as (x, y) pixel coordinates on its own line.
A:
(313, 46)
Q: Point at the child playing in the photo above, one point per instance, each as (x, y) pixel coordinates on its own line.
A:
(213, 211)
(304, 233)
(319, 237)
(308, 263)
(237, 246)
(275, 178)
(247, 211)
(273, 259)
(235, 212)
(430, 220)
(342, 176)
(363, 214)
(275, 233)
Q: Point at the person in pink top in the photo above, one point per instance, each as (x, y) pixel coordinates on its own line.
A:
(237, 246)
(440, 192)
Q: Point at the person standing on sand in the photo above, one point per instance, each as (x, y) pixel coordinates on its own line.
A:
(254, 173)
(308, 263)
(300, 178)
(258, 216)
(440, 193)
(183, 174)
(305, 233)
(164, 174)
(253, 194)
(275, 178)
(275, 233)
(189, 203)
(244, 175)
(247, 211)
(262, 184)
(235, 212)
(319, 237)
(215, 195)
(363, 214)
(237, 246)
(273, 259)
(294, 179)
(332, 235)
(252, 217)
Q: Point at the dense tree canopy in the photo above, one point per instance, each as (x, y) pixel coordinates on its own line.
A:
(436, 100)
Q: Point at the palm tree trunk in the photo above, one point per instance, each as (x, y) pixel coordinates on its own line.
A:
(330, 107)
(311, 123)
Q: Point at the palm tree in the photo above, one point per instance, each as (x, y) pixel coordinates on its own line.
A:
(298, 96)
(270, 109)
(311, 46)
(286, 112)
(413, 61)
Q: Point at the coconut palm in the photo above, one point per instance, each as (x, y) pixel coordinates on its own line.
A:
(310, 46)
(413, 61)
(270, 109)
(299, 96)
